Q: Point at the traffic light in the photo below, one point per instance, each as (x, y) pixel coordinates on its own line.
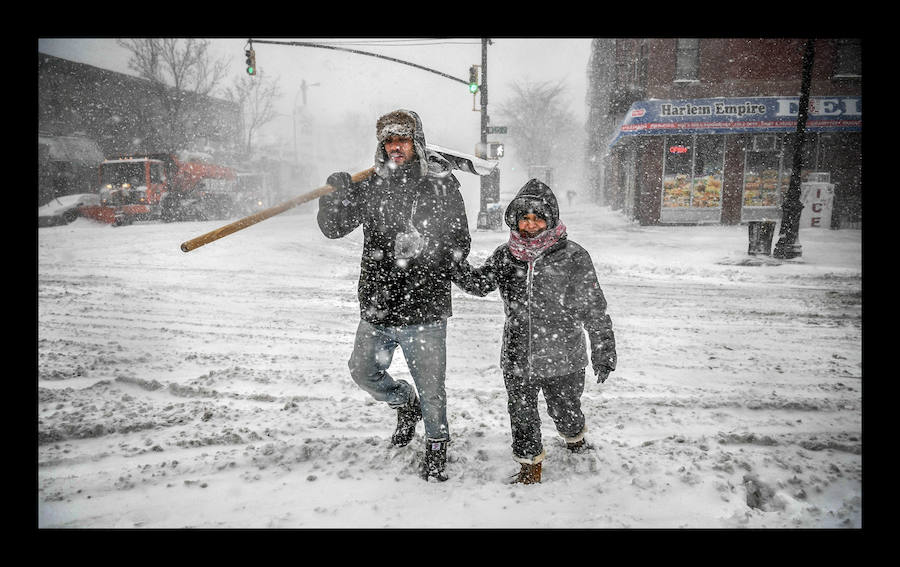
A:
(251, 62)
(473, 79)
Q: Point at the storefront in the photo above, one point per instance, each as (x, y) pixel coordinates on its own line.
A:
(728, 160)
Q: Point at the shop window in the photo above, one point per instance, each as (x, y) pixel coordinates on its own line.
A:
(765, 179)
(692, 174)
(848, 59)
(687, 59)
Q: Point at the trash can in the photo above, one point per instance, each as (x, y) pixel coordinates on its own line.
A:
(761, 233)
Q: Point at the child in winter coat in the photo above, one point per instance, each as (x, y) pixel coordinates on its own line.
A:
(551, 297)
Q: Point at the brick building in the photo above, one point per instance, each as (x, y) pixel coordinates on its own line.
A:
(696, 130)
(86, 113)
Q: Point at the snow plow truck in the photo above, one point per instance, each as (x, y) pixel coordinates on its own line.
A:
(165, 187)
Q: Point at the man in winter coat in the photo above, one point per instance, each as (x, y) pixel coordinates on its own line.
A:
(550, 296)
(415, 229)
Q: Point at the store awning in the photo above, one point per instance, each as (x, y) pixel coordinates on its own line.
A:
(73, 149)
(739, 115)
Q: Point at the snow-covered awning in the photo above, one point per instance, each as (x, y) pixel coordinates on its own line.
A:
(739, 115)
(73, 149)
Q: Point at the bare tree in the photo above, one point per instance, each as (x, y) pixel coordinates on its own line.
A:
(182, 74)
(256, 96)
(541, 129)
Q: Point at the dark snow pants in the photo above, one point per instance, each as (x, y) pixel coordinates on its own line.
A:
(563, 397)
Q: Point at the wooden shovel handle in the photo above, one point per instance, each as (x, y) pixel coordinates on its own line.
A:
(243, 223)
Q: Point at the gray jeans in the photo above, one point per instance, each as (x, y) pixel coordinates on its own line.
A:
(425, 349)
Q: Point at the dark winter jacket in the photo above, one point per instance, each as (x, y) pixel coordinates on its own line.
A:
(549, 302)
(422, 199)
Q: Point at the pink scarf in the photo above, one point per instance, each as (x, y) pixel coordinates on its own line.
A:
(527, 249)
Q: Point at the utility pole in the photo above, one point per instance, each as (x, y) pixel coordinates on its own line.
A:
(788, 245)
(490, 184)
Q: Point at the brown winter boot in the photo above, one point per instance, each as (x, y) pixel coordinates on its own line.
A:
(578, 444)
(529, 474)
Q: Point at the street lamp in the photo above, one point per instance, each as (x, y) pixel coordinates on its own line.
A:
(303, 87)
(788, 245)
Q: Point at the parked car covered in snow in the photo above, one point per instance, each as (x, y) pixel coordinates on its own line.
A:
(65, 209)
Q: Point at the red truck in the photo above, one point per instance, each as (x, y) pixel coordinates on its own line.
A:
(163, 186)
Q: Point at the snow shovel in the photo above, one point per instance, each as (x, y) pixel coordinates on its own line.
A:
(460, 161)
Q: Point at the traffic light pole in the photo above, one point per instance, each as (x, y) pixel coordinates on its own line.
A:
(488, 217)
(359, 52)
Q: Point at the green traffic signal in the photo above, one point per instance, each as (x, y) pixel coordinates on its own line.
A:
(251, 61)
(473, 79)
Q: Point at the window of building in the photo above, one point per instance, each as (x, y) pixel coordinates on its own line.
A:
(641, 68)
(687, 59)
(765, 178)
(156, 172)
(692, 174)
(848, 59)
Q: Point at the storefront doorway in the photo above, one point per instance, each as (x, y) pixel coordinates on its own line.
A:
(765, 180)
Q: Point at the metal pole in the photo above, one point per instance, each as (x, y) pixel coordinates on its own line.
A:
(359, 52)
(788, 245)
(484, 90)
(490, 184)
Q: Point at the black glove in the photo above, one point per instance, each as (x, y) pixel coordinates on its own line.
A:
(343, 189)
(340, 181)
(602, 374)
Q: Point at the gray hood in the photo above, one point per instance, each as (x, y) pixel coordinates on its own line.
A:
(534, 197)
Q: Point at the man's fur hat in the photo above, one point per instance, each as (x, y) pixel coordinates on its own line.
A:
(396, 123)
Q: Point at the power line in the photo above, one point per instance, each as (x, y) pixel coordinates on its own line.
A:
(403, 42)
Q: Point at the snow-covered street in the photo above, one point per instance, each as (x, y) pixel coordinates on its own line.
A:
(210, 389)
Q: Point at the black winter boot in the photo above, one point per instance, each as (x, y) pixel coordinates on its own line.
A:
(435, 460)
(407, 418)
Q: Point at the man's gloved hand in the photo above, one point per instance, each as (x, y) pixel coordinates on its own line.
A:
(602, 374)
(341, 182)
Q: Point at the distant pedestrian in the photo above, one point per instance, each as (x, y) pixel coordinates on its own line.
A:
(551, 296)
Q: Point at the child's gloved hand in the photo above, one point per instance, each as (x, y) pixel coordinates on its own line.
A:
(602, 374)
